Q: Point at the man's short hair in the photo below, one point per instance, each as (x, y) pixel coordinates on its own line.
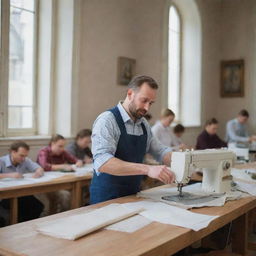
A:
(178, 128)
(83, 133)
(211, 121)
(167, 112)
(137, 82)
(19, 144)
(243, 112)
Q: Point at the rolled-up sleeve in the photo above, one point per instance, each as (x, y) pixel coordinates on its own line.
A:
(105, 136)
(156, 148)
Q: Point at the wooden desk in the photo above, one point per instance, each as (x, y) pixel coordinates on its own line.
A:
(155, 239)
(68, 182)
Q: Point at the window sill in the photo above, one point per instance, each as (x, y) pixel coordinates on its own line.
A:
(33, 140)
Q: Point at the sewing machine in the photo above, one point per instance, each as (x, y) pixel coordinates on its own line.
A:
(216, 165)
(241, 151)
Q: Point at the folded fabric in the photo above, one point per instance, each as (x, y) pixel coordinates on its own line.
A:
(76, 226)
(130, 225)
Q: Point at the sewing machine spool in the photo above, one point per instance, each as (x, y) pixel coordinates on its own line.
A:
(189, 198)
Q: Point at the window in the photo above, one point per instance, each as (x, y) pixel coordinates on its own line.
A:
(182, 67)
(174, 61)
(19, 67)
(39, 61)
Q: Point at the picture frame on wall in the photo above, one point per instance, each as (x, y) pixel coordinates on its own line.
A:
(232, 78)
(125, 70)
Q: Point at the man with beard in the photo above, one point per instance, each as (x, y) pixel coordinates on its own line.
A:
(121, 137)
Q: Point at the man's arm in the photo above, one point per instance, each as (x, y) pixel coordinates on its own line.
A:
(39, 172)
(105, 136)
(4, 174)
(119, 167)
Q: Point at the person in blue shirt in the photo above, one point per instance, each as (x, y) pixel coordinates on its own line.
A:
(14, 165)
(236, 129)
(121, 137)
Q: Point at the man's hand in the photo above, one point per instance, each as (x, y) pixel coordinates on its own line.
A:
(38, 173)
(79, 163)
(161, 172)
(15, 175)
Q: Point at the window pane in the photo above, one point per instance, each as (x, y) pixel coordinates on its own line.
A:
(174, 62)
(21, 61)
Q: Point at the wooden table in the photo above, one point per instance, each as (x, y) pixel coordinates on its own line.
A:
(154, 239)
(68, 182)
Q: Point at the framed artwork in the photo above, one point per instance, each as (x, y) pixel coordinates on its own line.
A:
(125, 70)
(232, 78)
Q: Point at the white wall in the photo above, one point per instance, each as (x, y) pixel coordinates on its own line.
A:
(135, 29)
(238, 41)
(107, 32)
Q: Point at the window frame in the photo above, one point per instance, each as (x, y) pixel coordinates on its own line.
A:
(178, 117)
(5, 131)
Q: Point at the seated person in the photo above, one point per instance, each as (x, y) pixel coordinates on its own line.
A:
(161, 129)
(54, 157)
(14, 165)
(176, 141)
(209, 138)
(236, 130)
(80, 147)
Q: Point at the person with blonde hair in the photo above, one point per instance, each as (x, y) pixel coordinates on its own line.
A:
(161, 129)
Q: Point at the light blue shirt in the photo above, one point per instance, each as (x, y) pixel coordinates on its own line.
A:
(106, 133)
(236, 132)
(26, 166)
(2, 166)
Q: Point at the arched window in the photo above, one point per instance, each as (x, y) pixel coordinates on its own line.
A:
(182, 70)
(174, 61)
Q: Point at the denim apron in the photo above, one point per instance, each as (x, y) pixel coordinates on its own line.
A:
(130, 148)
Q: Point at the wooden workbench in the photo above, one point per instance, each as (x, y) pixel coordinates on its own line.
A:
(154, 239)
(68, 182)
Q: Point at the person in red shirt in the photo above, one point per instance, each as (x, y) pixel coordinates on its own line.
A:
(54, 157)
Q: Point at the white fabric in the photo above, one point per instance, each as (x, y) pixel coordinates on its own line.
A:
(156, 194)
(168, 214)
(244, 181)
(11, 182)
(130, 225)
(243, 174)
(48, 176)
(75, 226)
